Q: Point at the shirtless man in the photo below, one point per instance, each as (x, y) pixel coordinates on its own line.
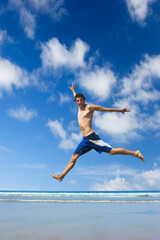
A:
(91, 140)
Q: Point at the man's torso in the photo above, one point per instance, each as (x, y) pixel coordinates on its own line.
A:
(85, 120)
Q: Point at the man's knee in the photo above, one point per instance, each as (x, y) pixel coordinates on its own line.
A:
(112, 151)
(74, 157)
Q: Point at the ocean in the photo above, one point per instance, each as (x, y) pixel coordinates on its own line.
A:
(81, 197)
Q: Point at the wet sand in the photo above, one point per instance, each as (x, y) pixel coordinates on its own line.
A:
(80, 221)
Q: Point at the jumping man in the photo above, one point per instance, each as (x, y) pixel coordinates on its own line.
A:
(91, 140)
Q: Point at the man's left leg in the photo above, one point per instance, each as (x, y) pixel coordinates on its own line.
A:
(68, 168)
(123, 151)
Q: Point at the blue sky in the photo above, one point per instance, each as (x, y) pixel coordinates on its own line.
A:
(111, 51)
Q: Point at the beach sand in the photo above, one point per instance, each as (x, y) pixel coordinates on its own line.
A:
(79, 221)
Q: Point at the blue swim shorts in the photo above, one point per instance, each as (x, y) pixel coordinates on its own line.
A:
(92, 141)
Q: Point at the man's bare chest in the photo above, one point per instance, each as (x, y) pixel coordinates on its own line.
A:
(84, 115)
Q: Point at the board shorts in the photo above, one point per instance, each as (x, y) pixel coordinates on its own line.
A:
(92, 141)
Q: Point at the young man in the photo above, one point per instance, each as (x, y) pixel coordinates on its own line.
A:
(91, 140)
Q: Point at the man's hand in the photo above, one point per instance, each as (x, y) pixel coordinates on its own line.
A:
(125, 109)
(73, 89)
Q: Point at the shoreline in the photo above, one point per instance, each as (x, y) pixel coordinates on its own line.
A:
(83, 201)
(81, 197)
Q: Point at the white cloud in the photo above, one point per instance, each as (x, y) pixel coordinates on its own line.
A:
(36, 79)
(29, 10)
(28, 22)
(151, 122)
(12, 76)
(64, 98)
(117, 184)
(50, 99)
(73, 126)
(55, 55)
(158, 159)
(33, 166)
(22, 114)
(137, 90)
(98, 83)
(144, 96)
(139, 85)
(67, 141)
(4, 149)
(3, 34)
(73, 182)
(27, 19)
(15, 4)
(105, 170)
(139, 9)
(149, 180)
(54, 8)
(129, 126)
(119, 127)
(155, 165)
(77, 137)
(4, 37)
(56, 128)
(67, 144)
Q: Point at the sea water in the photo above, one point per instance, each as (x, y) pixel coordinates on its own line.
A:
(81, 197)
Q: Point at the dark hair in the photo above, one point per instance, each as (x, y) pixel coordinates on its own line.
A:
(79, 95)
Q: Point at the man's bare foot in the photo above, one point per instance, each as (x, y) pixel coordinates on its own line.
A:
(139, 155)
(57, 177)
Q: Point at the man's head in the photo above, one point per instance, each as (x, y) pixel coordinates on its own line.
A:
(79, 99)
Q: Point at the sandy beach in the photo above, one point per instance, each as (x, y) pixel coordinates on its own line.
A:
(80, 221)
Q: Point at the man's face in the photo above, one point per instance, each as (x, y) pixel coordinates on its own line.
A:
(80, 101)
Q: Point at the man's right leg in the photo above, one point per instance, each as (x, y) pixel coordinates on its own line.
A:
(123, 151)
(68, 167)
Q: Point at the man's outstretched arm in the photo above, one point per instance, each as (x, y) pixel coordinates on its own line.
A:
(73, 89)
(103, 109)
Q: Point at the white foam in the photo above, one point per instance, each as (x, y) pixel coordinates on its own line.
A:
(80, 196)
